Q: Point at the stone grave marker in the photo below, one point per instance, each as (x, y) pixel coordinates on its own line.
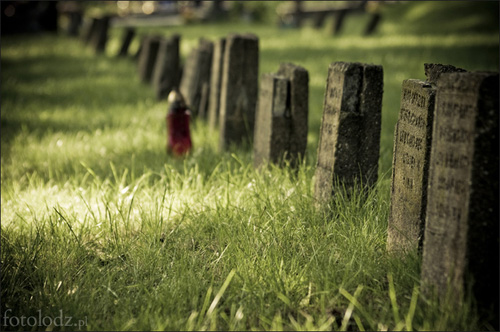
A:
(410, 163)
(349, 141)
(215, 83)
(272, 121)
(196, 72)
(89, 30)
(239, 89)
(434, 70)
(166, 69)
(299, 109)
(147, 57)
(128, 35)
(138, 52)
(281, 119)
(461, 233)
(99, 34)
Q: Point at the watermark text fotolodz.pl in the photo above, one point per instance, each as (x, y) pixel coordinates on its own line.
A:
(61, 320)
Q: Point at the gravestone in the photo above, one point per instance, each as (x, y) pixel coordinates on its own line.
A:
(299, 109)
(166, 69)
(281, 119)
(461, 232)
(89, 31)
(196, 72)
(410, 163)
(127, 39)
(239, 89)
(272, 121)
(147, 58)
(75, 21)
(215, 83)
(99, 34)
(349, 141)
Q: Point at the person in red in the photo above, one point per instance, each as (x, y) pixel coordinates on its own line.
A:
(178, 117)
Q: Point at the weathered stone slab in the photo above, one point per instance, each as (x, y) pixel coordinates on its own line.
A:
(299, 110)
(196, 73)
(89, 30)
(128, 35)
(410, 163)
(349, 140)
(273, 120)
(137, 54)
(239, 89)
(461, 233)
(281, 121)
(166, 69)
(99, 34)
(215, 83)
(434, 70)
(147, 57)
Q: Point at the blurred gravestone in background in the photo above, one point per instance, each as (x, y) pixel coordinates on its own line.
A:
(128, 35)
(147, 57)
(166, 70)
(195, 75)
(99, 34)
(239, 89)
(215, 83)
(73, 12)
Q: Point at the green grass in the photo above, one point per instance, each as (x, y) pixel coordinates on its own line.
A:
(99, 222)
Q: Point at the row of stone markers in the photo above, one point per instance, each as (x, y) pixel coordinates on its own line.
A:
(219, 81)
(444, 190)
(444, 193)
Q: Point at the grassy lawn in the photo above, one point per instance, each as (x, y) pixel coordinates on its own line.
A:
(97, 221)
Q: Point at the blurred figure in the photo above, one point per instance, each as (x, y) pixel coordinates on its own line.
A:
(178, 117)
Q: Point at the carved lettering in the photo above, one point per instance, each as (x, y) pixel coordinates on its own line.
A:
(411, 140)
(455, 135)
(450, 108)
(410, 160)
(451, 160)
(414, 98)
(407, 116)
(408, 182)
(446, 211)
(457, 186)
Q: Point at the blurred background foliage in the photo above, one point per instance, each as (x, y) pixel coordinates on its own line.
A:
(413, 17)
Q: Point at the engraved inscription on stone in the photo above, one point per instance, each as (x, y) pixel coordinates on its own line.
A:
(461, 234)
(412, 139)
